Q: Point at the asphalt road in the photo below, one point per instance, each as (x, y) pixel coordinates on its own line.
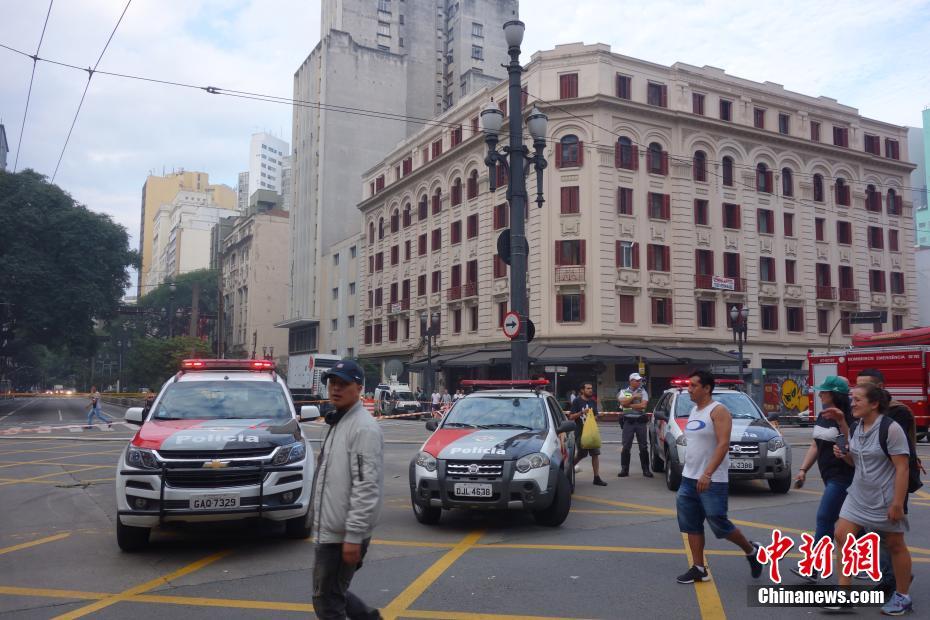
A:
(616, 556)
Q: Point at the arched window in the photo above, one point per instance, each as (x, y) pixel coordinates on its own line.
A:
(656, 159)
(380, 228)
(437, 201)
(873, 200)
(472, 189)
(728, 171)
(699, 166)
(763, 178)
(395, 221)
(627, 155)
(371, 232)
(456, 191)
(787, 182)
(818, 188)
(895, 203)
(422, 208)
(407, 215)
(842, 192)
(568, 152)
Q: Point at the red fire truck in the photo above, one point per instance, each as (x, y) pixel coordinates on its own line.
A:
(902, 357)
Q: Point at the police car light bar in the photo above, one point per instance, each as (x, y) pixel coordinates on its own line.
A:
(200, 364)
(515, 383)
(683, 382)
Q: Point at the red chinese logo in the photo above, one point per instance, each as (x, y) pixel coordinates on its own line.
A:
(858, 555)
(861, 555)
(771, 554)
(817, 557)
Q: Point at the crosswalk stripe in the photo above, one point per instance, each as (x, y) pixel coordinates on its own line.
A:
(75, 429)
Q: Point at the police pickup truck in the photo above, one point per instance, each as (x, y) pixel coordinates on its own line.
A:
(507, 446)
(222, 441)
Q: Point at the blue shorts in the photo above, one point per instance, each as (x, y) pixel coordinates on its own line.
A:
(694, 508)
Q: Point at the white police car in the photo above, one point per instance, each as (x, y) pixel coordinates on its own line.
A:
(757, 449)
(506, 447)
(221, 442)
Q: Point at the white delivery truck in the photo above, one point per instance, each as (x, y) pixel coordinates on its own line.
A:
(303, 377)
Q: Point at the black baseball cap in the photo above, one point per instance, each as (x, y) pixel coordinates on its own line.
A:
(347, 370)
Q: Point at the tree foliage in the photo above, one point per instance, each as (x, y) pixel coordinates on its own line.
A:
(154, 360)
(156, 304)
(61, 265)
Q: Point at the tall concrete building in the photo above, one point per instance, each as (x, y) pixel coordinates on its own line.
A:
(181, 232)
(407, 59)
(267, 155)
(919, 146)
(162, 190)
(4, 147)
(672, 195)
(242, 192)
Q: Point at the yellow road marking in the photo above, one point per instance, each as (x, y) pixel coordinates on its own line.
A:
(143, 587)
(51, 460)
(413, 543)
(8, 481)
(398, 607)
(222, 602)
(603, 548)
(922, 494)
(808, 491)
(52, 593)
(707, 595)
(34, 543)
(460, 615)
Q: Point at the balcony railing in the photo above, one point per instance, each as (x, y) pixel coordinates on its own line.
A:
(706, 282)
(849, 294)
(572, 273)
(454, 293)
(399, 306)
(826, 292)
(470, 289)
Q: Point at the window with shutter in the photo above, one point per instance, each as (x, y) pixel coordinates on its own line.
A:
(758, 118)
(626, 307)
(626, 155)
(699, 166)
(472, 226)
(437, 240)
(421, 245)
(705, 313)
(472, 189)
(701, 209)
(624, 86)
(456, 192)
(569, 153)
(790, 273)
(891, 149)
(395, 254)
(789, 224)
(697, 103)
(893, 240)
(568, 86)
(815, 131)
(500, 267)
(570, 200)
(818, 188)
(784, 126)
(625, 200)
(726, 110)
(421, 285)
(787, 182)
(455, 233)
(437, 282)
(437, 202)
(731, 216)
(727, 171)
(657, 95)
(819, 231)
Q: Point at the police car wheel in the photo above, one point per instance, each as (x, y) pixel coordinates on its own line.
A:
(672, 474)
(298, 527)
(427, 515)
(780, 485)
(131, 538)
(561, 505)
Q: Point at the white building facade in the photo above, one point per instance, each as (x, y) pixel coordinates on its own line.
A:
(268, 156)
(672, 194)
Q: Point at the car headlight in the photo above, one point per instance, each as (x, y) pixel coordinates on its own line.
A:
(532, 461)
(427, 461)
(290, 453)
(776, 443)
(141, 459)
(681, 441)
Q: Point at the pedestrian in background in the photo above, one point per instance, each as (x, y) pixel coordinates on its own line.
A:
(95, 411)
(633, 418)
(582, 407)
(348, 490)
(876, 498)
(436, 399)
(704, 491)
(446, 398)
(571, 397)
(834, 420)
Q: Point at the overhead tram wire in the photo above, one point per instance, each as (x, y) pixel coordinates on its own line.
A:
(213, 90)
(35, 61)
(90, 75)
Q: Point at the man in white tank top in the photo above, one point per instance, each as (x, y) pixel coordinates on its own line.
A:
(703, 493)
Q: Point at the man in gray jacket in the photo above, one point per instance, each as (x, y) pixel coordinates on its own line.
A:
(347, 495)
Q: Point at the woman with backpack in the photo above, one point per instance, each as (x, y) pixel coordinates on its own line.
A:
(875, 499)
(834, 420)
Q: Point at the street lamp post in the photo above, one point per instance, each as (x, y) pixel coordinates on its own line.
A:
(513, 157)
(172, 287)
(430, 333)
(738, 321)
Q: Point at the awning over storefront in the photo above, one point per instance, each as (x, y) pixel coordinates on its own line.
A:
(686, 355)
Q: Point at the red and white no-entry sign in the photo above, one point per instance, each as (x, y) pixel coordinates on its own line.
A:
(511, 325)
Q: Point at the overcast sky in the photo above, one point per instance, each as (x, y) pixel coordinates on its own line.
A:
(872, 55)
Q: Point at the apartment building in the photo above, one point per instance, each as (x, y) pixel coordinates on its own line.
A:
(672, 195)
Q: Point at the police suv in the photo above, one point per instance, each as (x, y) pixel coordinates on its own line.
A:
(222, 441)
(507, 446)
(758, 451)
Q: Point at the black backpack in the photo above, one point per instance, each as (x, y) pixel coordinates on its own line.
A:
(913, 463)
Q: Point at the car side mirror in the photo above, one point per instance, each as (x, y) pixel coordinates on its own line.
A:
(567, 427)
(432, 425)
(309, 412)
(660, 415)
(135, 415)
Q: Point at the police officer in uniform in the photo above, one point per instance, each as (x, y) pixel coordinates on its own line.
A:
(633, 400)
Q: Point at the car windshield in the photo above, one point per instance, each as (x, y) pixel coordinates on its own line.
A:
(739, 405)
(222, 400)
(497, 412)
(404, 395)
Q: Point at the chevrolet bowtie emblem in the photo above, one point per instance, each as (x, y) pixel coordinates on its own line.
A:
(215, 464)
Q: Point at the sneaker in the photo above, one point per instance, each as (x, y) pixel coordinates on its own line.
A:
(623, 474)
(578, 469)
(648, 474)
(813, 579)
(694, 574)
(755, 567)
(899, 605)
(599, 482)
(843, 607)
